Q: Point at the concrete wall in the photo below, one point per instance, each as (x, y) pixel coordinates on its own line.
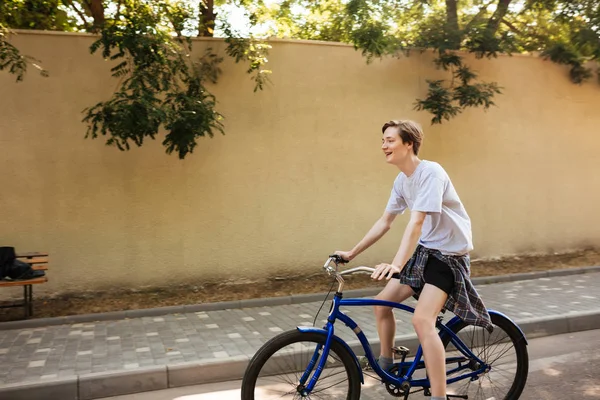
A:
(298, 174)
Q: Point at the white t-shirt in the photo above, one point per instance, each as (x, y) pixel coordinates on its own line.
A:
(447, 226)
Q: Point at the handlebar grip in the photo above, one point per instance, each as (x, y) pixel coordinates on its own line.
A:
(338, 259)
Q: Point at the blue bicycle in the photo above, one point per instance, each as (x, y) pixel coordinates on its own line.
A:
(310, 362)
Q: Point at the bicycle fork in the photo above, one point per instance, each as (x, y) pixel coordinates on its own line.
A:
(318, 359)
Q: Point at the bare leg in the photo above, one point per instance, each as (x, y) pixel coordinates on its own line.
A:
(431, 301)
(386, 323)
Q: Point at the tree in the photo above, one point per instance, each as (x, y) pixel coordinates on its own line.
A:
(149, 42)
(150, 38)
(206, 23)
(160, 85)
(564, 31)
(574, 38)
(34, 14)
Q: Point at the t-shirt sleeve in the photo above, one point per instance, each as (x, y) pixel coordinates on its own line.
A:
(430, 194)
(396, 204)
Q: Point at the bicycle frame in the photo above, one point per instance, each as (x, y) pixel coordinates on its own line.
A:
(336, 314)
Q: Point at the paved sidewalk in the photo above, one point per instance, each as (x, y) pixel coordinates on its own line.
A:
(98, 359)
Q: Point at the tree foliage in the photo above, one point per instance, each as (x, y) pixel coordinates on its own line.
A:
(34, 14)
(12, 60)
(161, 85)
(564, 31)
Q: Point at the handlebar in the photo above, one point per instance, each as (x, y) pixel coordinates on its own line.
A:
(361, 268)
(333, 270)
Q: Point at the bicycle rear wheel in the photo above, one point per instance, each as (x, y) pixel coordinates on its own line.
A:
(504, 350)
(275, 370)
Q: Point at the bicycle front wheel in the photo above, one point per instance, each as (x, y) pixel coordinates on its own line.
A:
(276, 370)
(504, 350)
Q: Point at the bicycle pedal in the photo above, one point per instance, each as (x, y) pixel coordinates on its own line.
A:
(401, 351)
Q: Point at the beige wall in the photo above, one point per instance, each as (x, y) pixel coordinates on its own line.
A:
(298, 174)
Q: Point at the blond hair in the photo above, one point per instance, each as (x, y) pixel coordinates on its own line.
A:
(409, 132)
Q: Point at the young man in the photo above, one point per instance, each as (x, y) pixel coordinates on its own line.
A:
(438, 269)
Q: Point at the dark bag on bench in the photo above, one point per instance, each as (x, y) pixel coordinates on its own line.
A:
(7, 259)
(13, 269)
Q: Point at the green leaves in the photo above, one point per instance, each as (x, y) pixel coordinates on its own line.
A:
(191, 115)
(12, 60)
(564, 31)
(128, 116)
(371, 39)
(569, 33)
(476, 95)
(253, 51)
(161, 85)
(448, 60)
(191, 109)
(445, 101)
(369, 29)
(567, 54)
(34, 14)
(388, 27)
(439, 102)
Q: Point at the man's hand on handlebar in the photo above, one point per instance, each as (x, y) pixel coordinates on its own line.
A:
(346, 256)
(384, 271)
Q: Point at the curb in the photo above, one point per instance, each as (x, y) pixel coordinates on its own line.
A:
(106, 384)
(265, 302)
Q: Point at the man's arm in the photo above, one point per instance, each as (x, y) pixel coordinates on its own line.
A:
(411, 236)
(407, 246)
(379, 229)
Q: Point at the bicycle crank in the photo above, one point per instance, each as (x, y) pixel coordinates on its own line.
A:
(398, 391)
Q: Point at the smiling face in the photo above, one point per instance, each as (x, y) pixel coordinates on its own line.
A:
(396, 152)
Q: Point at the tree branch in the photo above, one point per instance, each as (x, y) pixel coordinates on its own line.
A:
(97, 10)
(452, 23)
(516, 30)
(81, 15)
(118, 14)
(88, 6)
(512, 27)
(494, 21)
(207, 18)
(481, 11)
(452, 14)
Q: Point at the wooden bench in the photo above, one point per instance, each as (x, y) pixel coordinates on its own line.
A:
(38, 261)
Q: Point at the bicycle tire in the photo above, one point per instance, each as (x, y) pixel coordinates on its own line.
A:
(520, 346)
(266, 352)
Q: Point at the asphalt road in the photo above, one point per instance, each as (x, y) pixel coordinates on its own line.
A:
(561, 367)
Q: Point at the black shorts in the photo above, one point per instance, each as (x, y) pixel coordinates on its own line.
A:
(438, 274)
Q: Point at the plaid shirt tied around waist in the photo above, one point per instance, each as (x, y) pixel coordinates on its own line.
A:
(464, 301)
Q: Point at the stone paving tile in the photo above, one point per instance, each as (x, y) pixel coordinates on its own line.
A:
(67, 350)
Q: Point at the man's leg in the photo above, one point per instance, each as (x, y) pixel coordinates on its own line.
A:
(431, 301)
(386, 323)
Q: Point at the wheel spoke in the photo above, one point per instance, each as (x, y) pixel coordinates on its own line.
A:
(500, 356)
(503, 351)
(492, 386)
(325, 388)
(275, 373)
